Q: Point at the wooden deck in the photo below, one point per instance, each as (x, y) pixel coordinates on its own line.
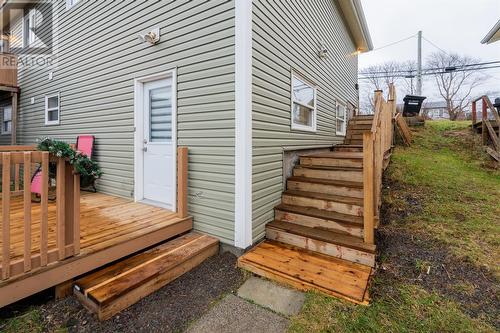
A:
(110, 228)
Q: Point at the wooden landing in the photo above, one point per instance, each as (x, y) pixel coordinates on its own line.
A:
(307, 270)
(116, 287)
(104, 221)
(110, 228)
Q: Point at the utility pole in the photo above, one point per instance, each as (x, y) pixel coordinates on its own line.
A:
(419, 64)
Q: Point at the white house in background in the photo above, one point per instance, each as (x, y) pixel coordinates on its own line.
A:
(435, 110)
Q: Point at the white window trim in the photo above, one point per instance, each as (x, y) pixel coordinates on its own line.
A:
(52, 122)
(300, 127)
(338, 104)
(3, 120)
(29, 37)
(71, 3)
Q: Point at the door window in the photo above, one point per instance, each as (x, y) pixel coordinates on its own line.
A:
(160, 120)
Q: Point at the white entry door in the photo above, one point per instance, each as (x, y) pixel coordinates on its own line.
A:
(158, 146)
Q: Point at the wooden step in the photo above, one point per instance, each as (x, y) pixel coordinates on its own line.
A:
(348, 148)
(327, 242)
(336, 187)
(335, 159)
(116, 287)
(353, 142)
(355, 136)
(355, 131)
(329, 202)
(306, 270)
(361, 122)
(330, 173)
(318, 218)
(357, 126)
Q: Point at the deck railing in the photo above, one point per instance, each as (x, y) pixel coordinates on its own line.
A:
(488, 132)
(18, 165)
(8, 69)
(376, 143)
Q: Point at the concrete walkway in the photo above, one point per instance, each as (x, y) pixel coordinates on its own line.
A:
(262, 306)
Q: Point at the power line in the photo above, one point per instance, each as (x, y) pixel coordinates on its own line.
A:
(429, 69)
(433, 44)
(442, 71)
(393, 43)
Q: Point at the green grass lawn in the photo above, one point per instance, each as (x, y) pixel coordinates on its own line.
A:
(440, 215)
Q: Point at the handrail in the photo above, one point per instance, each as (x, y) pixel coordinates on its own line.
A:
(17, 148)
(376, 143)
(486, 127)
(67, 209)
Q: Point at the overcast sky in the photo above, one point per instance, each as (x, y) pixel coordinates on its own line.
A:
(453, 25)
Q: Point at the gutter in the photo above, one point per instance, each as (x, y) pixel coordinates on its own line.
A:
(355, 19)
(363, 24)
(491, 34)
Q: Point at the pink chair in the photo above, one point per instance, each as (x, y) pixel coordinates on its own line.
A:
(84, 144)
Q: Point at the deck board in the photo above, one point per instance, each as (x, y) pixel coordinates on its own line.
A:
(308, 270)
(104, 218)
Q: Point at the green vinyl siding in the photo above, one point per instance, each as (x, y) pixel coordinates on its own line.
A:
(99, 55)
(286, 37)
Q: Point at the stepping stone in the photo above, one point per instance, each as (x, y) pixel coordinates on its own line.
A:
(270, 295)
(234, 314)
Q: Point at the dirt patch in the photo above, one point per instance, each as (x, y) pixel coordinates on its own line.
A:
(170, 309)
(410, 257)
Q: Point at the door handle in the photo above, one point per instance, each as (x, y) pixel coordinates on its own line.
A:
(145, 149)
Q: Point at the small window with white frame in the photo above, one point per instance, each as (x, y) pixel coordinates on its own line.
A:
(341, 118)
(7, 119)
(303, 104)
(52, 109)
(70, 3)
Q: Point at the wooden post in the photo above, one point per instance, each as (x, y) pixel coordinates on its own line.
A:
(27, 211)
(61, 207)
(485, 119)
(182, 182)
(76, 214)
(5, 215)
(44, 202)
(368, 175)
(474, 115)
(69, 207)
(378, 156)
(64, 290)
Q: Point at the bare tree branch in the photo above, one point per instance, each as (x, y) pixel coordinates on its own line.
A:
(455, 86)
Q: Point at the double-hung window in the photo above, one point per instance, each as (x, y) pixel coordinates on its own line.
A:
(341, 117)
(7, 120)
(52, 109)
(303, 104)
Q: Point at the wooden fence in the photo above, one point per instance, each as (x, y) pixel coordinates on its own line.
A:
(490, 139)
(376, 143)
(18, 165)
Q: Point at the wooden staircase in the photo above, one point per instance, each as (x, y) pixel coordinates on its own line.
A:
(320, 238)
